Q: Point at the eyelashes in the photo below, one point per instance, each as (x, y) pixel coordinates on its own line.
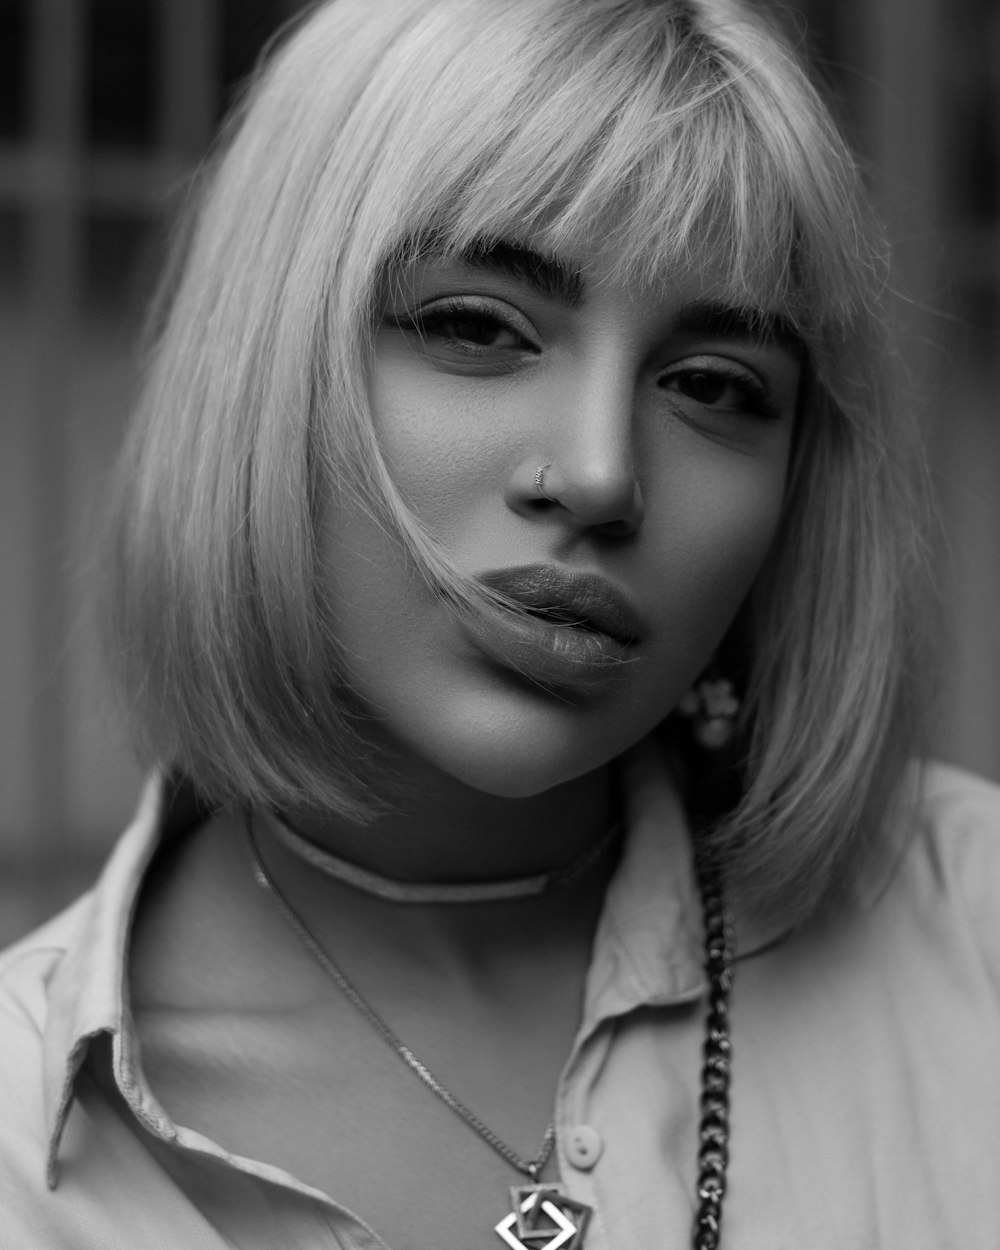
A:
(470, 328)
(721, 386)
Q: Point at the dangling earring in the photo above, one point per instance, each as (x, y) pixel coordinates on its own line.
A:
(712, 708)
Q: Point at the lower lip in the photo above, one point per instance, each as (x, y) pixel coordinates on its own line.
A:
(552, 655)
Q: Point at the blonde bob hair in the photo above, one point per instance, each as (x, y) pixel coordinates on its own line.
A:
(684, 130)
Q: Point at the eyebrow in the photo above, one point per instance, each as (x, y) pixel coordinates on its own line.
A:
(715, 319)
(549, 275)
(553, 277)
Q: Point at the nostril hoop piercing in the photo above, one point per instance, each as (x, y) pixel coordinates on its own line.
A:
(540, 482)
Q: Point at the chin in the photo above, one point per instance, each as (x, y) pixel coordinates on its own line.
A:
(509, 740)
(517, 782)
(522, 764)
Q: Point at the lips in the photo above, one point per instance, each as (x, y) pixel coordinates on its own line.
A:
(577, 632)
(582, 600)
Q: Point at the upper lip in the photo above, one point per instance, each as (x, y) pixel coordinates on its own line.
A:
(589, 600)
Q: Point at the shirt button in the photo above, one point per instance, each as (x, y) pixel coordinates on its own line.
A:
(583, 1146)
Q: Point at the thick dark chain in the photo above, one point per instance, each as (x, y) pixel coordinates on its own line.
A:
(713, 1128)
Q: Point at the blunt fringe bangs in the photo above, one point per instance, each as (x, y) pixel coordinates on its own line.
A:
(683, 133)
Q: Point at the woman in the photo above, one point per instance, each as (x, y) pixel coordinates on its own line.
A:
(518, 585)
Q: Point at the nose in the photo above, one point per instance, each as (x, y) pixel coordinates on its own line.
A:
(583, 466)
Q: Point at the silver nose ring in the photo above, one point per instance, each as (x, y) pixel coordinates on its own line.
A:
(540, 482)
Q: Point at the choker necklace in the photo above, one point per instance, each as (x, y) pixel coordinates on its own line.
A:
(542, 1216)
(394, 891)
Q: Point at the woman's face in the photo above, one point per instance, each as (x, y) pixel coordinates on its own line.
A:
(664, 418)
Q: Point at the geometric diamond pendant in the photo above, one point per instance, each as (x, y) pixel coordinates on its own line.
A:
(543, 1218)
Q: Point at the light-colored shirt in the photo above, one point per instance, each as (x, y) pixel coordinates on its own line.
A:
(866, 1067)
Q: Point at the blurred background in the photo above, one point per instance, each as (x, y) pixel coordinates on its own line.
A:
(106, 107)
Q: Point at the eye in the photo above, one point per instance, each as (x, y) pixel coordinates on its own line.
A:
(469, 329)
(473, 328)
(703, 387)
(719, 386)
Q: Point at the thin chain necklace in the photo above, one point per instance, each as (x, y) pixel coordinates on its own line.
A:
(542, 1216)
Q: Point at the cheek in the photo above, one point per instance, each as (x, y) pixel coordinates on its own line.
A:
(724, 524)
(442, 445)
(712, 519)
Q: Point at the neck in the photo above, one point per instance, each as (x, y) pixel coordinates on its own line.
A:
(450, 833)
(470, 838)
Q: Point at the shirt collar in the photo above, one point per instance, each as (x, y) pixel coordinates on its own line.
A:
(88, 991)
(649, 947)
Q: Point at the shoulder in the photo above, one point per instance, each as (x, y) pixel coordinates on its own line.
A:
(958, 819)
(946, 790)
(26, 970)
(953, 864)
